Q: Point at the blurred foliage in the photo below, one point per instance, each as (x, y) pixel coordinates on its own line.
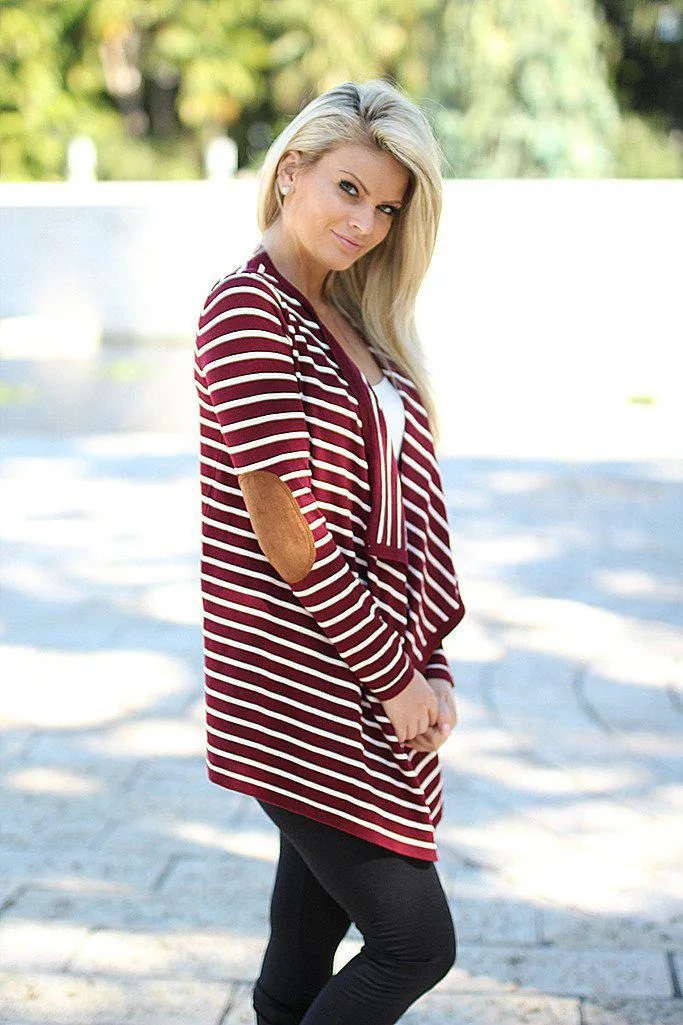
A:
(526, 91)
(517, 88)
(644, 44)
(647, 62)
(646, 151)
(11, 394)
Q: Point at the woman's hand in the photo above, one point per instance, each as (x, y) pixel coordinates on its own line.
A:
(434, 736)
(414, 709)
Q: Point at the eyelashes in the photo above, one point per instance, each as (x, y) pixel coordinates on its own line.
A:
(393, 210)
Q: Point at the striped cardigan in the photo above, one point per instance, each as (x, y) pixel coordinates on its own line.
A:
(296, 669)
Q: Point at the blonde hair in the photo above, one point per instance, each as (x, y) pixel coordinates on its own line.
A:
(377, 293)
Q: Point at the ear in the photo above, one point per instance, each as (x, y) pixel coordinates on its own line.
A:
(287, 166)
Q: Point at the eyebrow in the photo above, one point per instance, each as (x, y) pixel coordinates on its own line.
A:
(342, 171)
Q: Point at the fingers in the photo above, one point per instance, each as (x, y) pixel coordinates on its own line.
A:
(420, 744)
(429, 740)
(415, 745)
(433, 711)
(433, 726)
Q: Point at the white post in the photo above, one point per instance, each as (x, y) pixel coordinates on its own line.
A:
(220, 158)
(81, 159)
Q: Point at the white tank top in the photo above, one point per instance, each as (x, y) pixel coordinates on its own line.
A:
(394, 412)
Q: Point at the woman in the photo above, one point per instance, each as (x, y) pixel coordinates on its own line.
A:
(327, 579)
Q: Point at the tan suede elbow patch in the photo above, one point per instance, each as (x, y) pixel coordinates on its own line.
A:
(281, 528)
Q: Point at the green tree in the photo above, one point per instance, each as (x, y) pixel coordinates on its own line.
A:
(518, 87)
(525, 91)
(40, 106)
(644, 46)
(149, 80)
(647, 57)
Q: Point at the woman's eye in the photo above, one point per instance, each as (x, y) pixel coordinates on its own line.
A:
(391, 210)
(342, 183)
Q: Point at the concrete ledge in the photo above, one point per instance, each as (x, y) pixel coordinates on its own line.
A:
(38, 336)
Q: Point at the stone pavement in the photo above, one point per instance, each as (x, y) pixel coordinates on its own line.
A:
(134, 891)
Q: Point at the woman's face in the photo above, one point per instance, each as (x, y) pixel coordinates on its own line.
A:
(352, 192)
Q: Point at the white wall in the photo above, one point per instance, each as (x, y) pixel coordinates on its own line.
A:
(539, 291)
(138, 255)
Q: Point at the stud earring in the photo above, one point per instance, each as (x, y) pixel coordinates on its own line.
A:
(284, 190)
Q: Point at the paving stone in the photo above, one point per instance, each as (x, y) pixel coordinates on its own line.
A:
(151, 736)
(461, 1009)
(95, 910)
(196, 954)
(508, 840)
(151, 885)
(578, 928)
(241, 1011)
(599, 870)
(463, 875)
(677, 969)
(494, 921)
(35, 998)
(11, 889)
(455, 1009)
(471, 802)
(234, 891)
(663, 802)
(180, 786)
(603, 821)
(172, 638)
(637, 699)
(522, 705)
(633, 1012)
(116, 867)
(58, 786)
(571, 972)
(62, 692)
(32, 945)
(14, 744)
(69, 752)
(199, 802)
(163, 835)
(49, 822)
(460, 877)
(213, 891)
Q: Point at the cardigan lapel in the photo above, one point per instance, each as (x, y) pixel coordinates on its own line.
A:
(387, 523)
(387, 535)
(387, 531)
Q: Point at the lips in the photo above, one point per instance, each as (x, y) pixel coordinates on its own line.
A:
(350, 241)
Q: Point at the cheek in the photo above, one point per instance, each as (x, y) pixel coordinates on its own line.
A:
(319, 213)
(333, 204)
(383, 227)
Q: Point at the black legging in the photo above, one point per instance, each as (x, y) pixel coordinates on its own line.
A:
(326, 879)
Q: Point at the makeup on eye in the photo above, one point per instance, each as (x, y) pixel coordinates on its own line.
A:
(393, 210)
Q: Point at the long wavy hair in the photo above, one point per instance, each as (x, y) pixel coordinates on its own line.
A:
(377, 293)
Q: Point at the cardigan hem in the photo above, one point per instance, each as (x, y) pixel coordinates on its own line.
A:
(253, 789)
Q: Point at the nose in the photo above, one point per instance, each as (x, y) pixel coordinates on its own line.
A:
(363, 220)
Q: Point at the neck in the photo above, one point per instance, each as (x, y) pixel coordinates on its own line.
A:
(290, 261)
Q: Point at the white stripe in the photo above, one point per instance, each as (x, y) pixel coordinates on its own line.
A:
(321, 788)
(279, 717)
(270, 788)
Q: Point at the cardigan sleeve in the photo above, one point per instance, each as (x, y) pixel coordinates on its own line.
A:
(244, 354)
(438, 667)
